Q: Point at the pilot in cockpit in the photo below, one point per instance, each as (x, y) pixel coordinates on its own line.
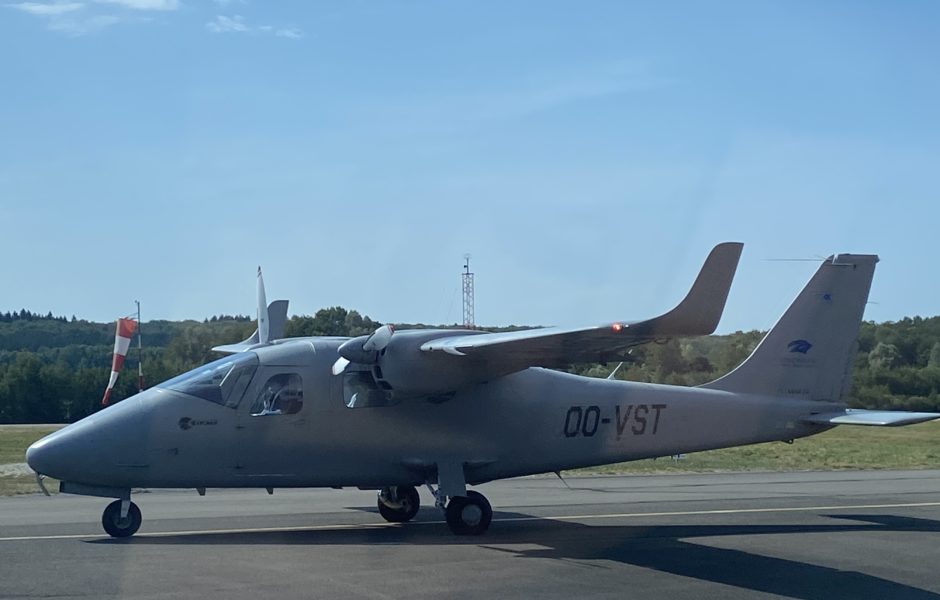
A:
(281, 395)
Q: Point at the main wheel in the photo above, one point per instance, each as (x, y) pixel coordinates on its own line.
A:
(470, 514)
(116, 526)
(399, 504)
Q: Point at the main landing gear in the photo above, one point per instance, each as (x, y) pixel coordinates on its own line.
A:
(121, 519)
(398, 503)
(465, 515)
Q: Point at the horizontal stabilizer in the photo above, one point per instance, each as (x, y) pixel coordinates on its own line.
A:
(881, 418)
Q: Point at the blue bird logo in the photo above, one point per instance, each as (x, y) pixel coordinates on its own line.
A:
(801, 346)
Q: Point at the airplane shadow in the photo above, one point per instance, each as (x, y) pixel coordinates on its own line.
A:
(665, 548)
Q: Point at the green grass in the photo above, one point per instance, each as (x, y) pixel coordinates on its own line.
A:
(914, 447)
(14, 440)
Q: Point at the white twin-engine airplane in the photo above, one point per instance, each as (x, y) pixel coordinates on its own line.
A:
(397, 410)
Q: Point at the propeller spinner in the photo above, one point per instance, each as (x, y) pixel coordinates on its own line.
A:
(361, 350)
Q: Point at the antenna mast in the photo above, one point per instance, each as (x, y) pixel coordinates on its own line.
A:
(467, 293)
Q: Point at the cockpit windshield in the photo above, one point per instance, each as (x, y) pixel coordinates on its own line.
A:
(223, 381)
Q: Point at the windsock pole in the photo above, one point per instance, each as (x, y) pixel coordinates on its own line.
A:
(122, 341)
(140, 352)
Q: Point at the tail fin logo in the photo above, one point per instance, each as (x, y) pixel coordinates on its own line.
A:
(801, 346)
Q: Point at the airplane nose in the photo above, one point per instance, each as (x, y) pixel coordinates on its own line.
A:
(90, 449)
(44, 455)
(38, 456)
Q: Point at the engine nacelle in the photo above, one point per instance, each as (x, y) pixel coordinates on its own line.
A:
(401, 367)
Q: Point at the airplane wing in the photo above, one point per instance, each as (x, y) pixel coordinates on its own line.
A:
(882, 418)
(697, 314)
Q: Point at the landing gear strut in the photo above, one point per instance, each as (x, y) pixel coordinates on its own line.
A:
(398, 504)
(121, 519)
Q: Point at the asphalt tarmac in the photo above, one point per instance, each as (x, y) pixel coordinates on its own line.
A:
(781, 535)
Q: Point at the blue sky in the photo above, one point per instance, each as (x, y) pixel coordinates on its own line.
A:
(588, 155)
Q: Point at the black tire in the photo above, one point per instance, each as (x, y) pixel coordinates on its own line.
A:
(407, 496)
(470, 514)
(116, 526)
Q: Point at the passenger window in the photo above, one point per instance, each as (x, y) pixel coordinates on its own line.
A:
(282, 394)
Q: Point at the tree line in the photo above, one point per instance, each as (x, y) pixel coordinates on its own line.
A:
(54, 369)
(25, 315)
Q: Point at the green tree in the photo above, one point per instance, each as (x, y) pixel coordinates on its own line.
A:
(934, 359)
(884, 356)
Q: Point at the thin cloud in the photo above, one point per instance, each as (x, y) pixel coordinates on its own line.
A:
(238, 24)
(82, 17)
(70, 18)
(224, 24)
(519, 97)
(84, 25)
(47, 9)
(144, 4)
(289, 32)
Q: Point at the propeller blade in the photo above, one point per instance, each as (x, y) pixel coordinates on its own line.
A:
(378, 340)
(340, 365)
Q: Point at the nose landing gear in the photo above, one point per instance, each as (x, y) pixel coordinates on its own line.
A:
(465, 515)
(469, 515)
(121, 519)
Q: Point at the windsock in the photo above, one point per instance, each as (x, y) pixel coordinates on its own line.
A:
(122, 340)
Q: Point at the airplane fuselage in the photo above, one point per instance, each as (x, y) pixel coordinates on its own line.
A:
(533, 421)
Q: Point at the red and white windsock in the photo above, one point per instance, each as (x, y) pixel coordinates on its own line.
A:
(122, 341)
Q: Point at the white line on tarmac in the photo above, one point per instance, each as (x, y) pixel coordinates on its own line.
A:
(721, 511)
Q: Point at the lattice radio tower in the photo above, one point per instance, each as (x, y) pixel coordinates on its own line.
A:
(467, 293)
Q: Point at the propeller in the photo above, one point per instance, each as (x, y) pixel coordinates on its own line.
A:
(379, 339)
(363, 351)
(340, 365)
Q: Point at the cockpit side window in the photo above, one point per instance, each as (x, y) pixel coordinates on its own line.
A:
(282, 394)
(223, 381)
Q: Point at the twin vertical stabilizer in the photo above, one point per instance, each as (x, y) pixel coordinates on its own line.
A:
(808, 354)
(271, 320)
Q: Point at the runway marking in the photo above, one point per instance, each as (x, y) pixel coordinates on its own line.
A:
(720, 511)
(339, 527)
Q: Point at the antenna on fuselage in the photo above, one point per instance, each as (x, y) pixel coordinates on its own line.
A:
(613, 374)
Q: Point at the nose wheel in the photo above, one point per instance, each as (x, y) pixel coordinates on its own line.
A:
(121, 521)
(469, 515)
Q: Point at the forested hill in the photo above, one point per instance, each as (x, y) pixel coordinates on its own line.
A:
(53, 369)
